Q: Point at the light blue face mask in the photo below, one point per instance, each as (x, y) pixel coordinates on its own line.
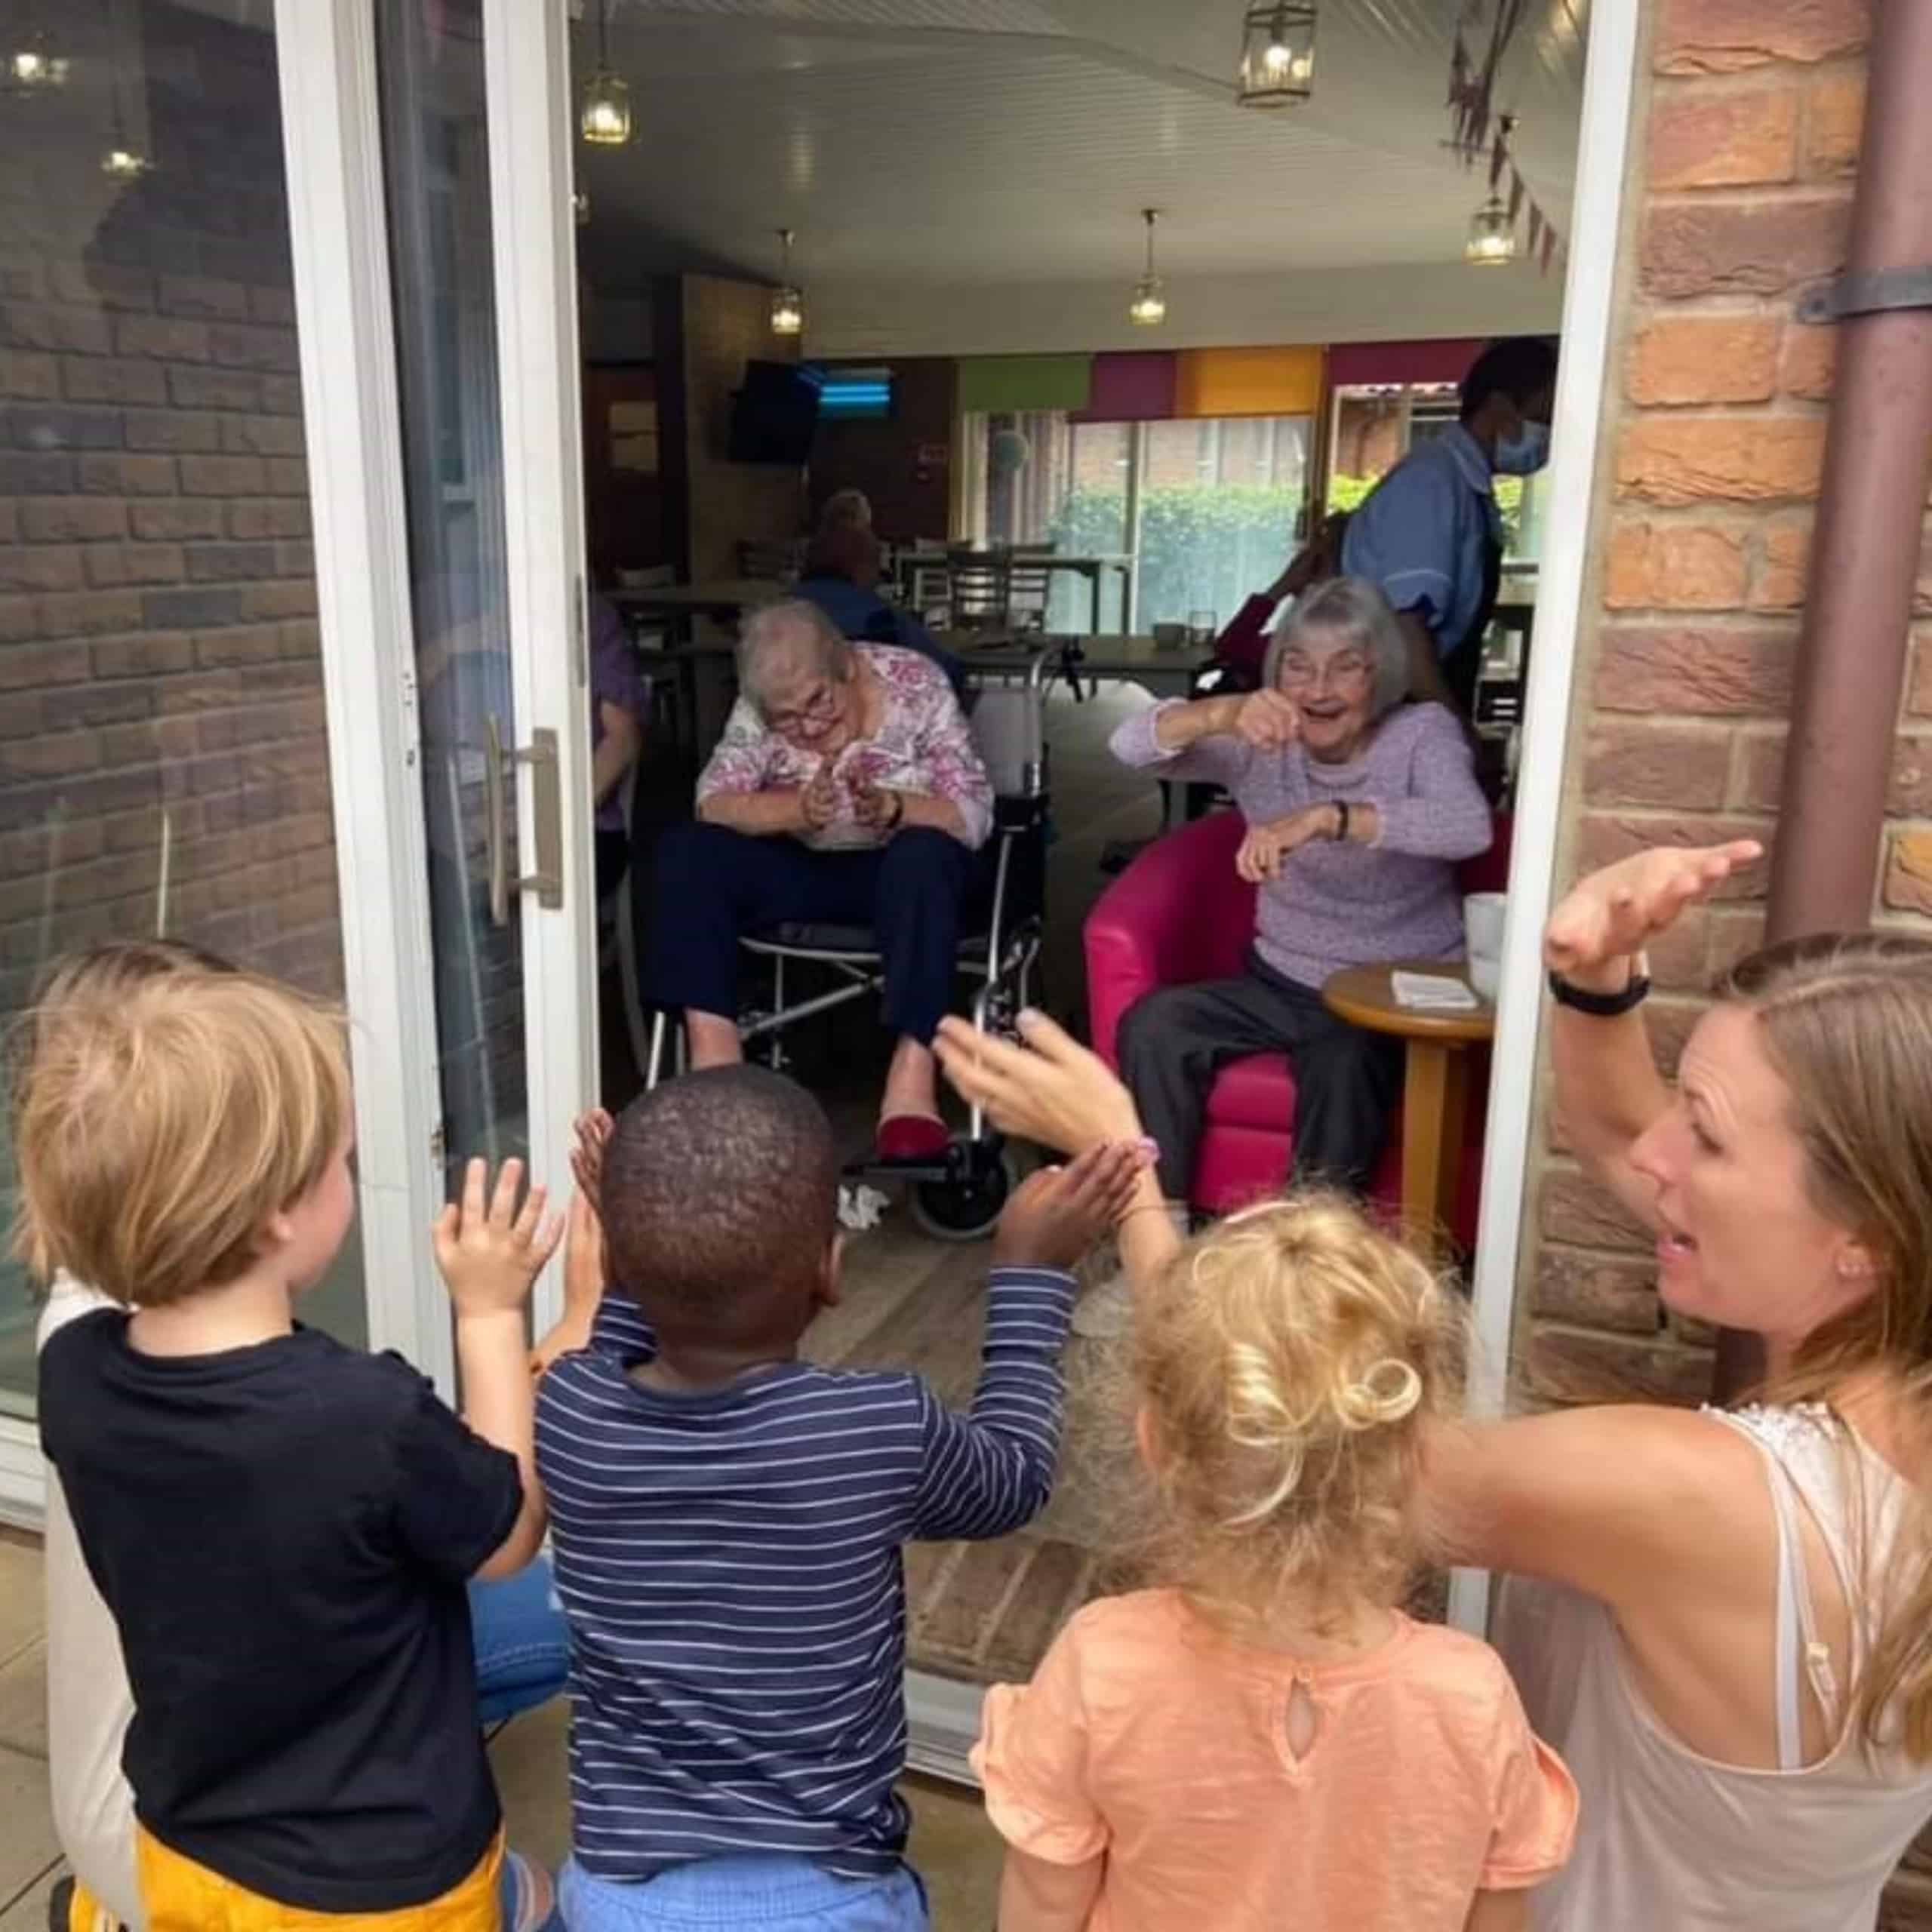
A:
(1526, 452)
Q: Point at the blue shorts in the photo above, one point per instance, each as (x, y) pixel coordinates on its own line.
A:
(778, 1889)
(522, 1644)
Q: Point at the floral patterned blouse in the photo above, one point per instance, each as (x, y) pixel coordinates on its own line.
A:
(922, 745)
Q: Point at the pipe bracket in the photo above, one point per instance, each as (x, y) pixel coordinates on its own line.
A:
(1872, 293)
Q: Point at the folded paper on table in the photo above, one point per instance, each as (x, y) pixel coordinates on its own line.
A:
(1428, 993)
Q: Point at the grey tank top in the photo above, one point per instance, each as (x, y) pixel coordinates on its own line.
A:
(1670, 1842)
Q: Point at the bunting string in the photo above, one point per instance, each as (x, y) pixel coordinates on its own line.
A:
(1475, 56)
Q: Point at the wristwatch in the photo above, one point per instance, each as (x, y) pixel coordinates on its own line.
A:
(1603, 1006)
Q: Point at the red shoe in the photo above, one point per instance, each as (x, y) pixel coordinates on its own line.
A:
(911, 1137)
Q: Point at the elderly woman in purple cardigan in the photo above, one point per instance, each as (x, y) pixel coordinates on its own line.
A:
(1359, 808)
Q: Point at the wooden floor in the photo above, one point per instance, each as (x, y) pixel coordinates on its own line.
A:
(983, 1611)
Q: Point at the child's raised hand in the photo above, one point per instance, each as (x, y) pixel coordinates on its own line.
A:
(590, 1134)
(1057, 1213)
(585, 1278)
(489, 1255)
(1052, 1090)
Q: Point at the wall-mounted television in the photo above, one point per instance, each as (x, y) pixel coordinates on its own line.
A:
(774, 415)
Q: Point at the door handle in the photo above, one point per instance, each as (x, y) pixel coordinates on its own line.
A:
(547, 881)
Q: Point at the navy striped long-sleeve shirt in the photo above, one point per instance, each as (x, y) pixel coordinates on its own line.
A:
(729, 1563)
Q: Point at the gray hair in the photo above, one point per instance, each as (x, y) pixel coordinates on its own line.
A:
(1351, 610)
(782, 630)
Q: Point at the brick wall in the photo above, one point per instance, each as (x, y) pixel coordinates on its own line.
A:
(161, 706)
(1746, 143)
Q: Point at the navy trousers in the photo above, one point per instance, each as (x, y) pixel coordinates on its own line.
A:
(713, 885)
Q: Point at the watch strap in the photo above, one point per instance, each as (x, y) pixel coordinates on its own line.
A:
(1600, 1006)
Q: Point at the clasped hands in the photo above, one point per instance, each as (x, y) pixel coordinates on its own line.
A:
(873, 806)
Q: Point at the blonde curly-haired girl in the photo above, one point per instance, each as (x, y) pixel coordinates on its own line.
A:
(1266, 1734)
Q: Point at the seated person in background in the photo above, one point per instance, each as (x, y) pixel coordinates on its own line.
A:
(847, 508)
(619, 703)
(1263, 1738)
(1429, 535)
(842, 578)
(1358, 808)
(845, 790)
(282, 1527)
(727, 1520)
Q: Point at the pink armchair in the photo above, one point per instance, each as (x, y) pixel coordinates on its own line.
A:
(1178, 914)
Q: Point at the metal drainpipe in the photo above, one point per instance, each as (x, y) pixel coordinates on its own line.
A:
(1851, 653)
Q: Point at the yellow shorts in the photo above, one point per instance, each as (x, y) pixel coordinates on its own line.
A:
(183, 1896)
(84, 1916)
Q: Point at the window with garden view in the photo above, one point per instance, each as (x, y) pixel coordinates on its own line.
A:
(1211, 509)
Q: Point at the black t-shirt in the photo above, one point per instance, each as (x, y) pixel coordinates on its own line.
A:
(284, 1534)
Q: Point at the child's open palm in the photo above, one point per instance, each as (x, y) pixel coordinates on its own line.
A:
(490, 1254)
(1057, 1213)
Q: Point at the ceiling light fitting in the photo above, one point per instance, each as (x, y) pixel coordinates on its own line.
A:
(1148, 308)
(788, 302)
(1492, 242)
(31, 69)
(605, 121)
(1277, 54)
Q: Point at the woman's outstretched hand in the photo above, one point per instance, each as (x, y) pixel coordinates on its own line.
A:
(1267, 720)
(1051, 1089)
(1616, 910)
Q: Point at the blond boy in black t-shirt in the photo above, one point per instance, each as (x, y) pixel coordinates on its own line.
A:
(282, 1527)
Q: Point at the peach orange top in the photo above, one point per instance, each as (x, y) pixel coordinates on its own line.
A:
(1150, 1736)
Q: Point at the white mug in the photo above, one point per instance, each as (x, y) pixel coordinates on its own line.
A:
(1482, 928)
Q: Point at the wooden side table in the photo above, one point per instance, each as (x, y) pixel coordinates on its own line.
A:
(1436, 1095)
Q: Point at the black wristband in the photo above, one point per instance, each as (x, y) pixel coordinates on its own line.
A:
(1342, 819)
(1599, 1006)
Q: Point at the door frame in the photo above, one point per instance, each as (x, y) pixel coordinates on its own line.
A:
(1583, 377)
(526, 52)
(326, 60)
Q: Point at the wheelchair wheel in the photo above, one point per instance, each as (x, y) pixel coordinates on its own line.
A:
(966, 1209)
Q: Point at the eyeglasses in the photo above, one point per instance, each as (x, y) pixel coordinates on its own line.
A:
(821, 708)
(1345, 667)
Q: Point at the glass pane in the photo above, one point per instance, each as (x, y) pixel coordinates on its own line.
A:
(437, 160)
(1091, 521)
(1220, 500)
(163, 765)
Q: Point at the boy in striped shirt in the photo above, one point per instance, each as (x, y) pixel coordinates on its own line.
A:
(727, 1519)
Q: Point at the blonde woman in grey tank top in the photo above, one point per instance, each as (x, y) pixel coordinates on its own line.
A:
(1726, 1622)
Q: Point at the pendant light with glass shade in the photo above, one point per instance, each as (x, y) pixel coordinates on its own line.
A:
(1148, 308)
(124, 160)
(1492, 238)
(33, 67)
(1492, 242)
(1277, 54)
(605, 121)
(788, 302)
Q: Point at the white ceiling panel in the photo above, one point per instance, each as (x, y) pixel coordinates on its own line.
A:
(1014, 142)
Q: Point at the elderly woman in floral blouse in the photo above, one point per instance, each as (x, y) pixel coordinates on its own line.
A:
(845, 790)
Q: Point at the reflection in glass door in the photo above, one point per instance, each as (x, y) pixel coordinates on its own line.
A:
(164, 761)
(501, 713)
(436, 155)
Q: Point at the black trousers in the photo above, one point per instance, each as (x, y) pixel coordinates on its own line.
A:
(1175, 1040)
(710, 885)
